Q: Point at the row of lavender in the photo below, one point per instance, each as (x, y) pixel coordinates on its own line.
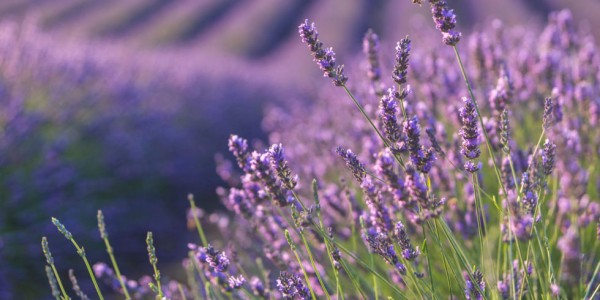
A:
(499, 201)
(88, 126)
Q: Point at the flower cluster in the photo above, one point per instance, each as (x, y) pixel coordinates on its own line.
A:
(325, 58)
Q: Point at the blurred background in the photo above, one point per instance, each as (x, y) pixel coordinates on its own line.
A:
(122, 106)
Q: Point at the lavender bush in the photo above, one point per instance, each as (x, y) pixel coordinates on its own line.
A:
(496, 200)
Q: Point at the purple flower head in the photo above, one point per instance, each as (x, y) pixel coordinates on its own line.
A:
(258, 288)
(379, 213)
(380, 244)
(445, 21)
(260, 165)
(325, 58)
(371, 49)
(408, 251)
(416, 188)
(281, 167)
(385, 169)
(402, 56)
(239, 148)
(547, 118)
(238, 202)
(548, 156)
(236, 282)
(388, 110)
(470, 134)
(291, 287)
(420, 156)
(474, 285)
(357, 168)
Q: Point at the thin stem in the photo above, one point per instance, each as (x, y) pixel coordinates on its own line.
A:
(196, 221)
(62, 289)
(81, 252)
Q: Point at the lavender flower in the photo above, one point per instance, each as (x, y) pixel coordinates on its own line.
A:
(258, 289)
(385, 169)
(76, 287)
(239, 148)
(445, 21)
(388, 111)
(292, 287)
(547, 118)
(420, 156)
(548, 156)
(474, 287)
(281, 167)
(325, 58)
(515, 279)
(380, 244)
(53, 283)
(379, 213)
(357, 168)
(470, 134)
(401, 66)
(371, 49)
(408, 251)
(260, 164)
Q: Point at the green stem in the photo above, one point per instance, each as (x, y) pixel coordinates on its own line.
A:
(81, 253)
(62, 289)
(197, 221)
(312, 262)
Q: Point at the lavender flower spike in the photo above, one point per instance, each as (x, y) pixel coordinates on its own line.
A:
(388, 109)
(357, 168)
(401, 66)
(371, 49)
(445, 21)
(548, 155)
(325, 58)
(408, 251)
(470, 135)
(474, 286)
(547, 119)
(292, 287)
(281, 167)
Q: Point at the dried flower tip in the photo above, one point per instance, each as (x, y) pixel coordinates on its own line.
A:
(62, 229)
(547, 118)
(102, 225)
(151, 249)
(548, 156)
(357, 168)
(325, 58)
(281, 167)
(53, 283)
(402, 56)
(47, 252)
(76, 287)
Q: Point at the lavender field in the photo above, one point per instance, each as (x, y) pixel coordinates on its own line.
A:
(221, 149)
